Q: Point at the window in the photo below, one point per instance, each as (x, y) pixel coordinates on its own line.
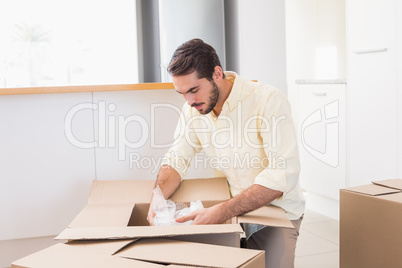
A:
(75, 42)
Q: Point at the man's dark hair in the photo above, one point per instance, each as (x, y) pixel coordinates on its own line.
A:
(194, 55)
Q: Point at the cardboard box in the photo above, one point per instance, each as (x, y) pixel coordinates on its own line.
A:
(141, 253)
(169, 251)
(371, 225)
(118, 210)
(66, 256)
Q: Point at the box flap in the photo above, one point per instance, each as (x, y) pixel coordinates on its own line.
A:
(372, 189)
(103, 215)
(109, 247)
(397, 197)
(140, 191)
(121, 192)
(392, 183)
(88, 233)
(267, 215)
(65, 256)
(188, 253)
(215, 189)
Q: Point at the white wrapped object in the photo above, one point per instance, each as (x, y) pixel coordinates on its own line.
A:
(166, 210)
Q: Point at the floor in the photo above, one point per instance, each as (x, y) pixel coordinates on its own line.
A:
(318, 242)
(317, 246)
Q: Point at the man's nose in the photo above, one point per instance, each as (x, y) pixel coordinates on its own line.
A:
(189, 98)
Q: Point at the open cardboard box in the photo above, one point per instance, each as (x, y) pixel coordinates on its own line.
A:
(118, 210)
(371, 225)
(154, 252)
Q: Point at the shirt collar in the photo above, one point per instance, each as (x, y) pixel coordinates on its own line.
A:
(233, 99)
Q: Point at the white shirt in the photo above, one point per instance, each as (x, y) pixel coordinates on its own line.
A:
(252, 141)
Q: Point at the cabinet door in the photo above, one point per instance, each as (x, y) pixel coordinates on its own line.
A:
(322, 120)
(372, 98)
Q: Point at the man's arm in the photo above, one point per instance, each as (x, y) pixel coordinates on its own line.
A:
(168, 180)
(254, 197)
(176, 161)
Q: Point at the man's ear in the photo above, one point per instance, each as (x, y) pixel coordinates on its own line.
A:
(218, 73)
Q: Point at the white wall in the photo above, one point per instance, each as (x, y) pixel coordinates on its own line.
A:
(45, 179)
(150, 118)
(257, 29)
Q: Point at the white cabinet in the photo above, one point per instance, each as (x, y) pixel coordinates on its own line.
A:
(322, 138)
(372, 90)
(370, 109)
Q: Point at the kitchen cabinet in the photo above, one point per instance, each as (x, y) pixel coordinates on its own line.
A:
(372, 90)
(369, 121)
(322, 137)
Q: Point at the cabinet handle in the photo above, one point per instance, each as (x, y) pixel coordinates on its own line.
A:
(323, 94)
(363, 51)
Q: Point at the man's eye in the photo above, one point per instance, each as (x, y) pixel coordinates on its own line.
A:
(194, 91)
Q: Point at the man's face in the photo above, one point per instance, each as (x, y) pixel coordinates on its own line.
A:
(201, 94)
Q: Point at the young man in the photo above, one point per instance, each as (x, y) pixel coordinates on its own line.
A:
(248, 127)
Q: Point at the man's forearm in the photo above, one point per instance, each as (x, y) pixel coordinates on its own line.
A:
(168, 180)
(254, 197)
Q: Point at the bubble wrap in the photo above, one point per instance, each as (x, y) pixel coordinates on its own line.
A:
(166, 210)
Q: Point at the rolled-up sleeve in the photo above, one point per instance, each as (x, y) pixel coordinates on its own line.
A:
(280, 146)
(186, 145)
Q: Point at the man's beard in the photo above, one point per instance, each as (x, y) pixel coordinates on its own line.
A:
(213, 99)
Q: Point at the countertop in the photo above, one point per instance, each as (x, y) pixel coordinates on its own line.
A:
(320, 81)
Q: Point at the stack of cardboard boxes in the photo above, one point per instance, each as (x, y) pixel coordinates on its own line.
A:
(371, 225)
(112, 231)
